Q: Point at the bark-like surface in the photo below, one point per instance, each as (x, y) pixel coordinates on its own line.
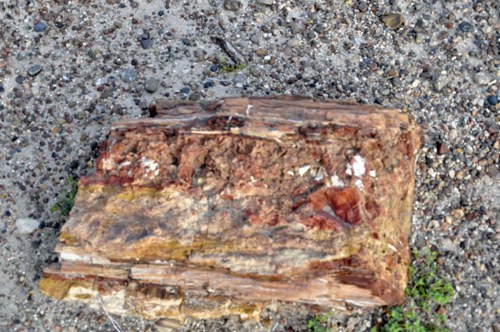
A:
(218, 208)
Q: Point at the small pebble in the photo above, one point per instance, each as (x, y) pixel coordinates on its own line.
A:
(393, 21)
(493, 100)
(40, 27)
(20, 79)
(362, 7)
(442, 81)
(195, 96)
(151, 85)
(294, 42)
(420, 38)
(240, 78)
(146, 43)
(34, 70)
(443, 148)
(231, 5)
(481, 78)
(466, 27)
(128, 75)
(26, 225)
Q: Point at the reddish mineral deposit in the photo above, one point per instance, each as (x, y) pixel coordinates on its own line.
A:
(208, 209)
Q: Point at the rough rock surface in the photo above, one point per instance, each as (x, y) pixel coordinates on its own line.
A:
(222, 207)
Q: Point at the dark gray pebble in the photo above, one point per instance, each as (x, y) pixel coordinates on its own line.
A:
(151, 85)
(34, 70)
(195, 96)
(20, 79)
(466, 27)
(146, 43)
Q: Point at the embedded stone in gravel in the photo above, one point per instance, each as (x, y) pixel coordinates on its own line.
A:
(106, 94)
(40, 27)
(195, 96)
(466, 27)
(420, 38)
(231, 5)
(20, 79)
(184, 90)
(146, 43)
(481, 78)
(240, 78)
(493, 100)
(294, 42)
(442, 35)
(261, 52)
(167, 324)
(265, 2)
(34, 70)
(92, 55)
(396, 81)
(393, 21)
(443, 148)
(442, 81)
(363, 7)
(151, 85)
(26, 225)
(128, 75)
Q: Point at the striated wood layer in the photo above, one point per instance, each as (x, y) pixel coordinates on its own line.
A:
(210, 209)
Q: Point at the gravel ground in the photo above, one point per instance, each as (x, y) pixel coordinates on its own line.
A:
(70, 68)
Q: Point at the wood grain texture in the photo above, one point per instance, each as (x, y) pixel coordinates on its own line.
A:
(221, 207)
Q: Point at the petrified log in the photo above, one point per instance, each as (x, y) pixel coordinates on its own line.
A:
(219, 208)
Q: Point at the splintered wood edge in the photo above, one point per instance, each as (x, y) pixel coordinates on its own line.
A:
(291, 112)
(322, 290)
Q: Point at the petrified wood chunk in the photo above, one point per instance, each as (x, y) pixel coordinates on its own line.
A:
(207, 210)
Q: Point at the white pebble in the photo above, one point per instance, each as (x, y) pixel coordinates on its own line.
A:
(26, 225)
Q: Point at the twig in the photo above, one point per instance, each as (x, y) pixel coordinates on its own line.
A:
(230, 50)
(113, 322)
(216, 79)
